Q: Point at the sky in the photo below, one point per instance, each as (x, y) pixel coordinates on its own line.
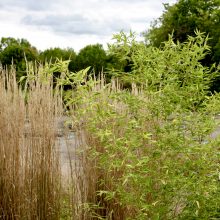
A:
(75, 23)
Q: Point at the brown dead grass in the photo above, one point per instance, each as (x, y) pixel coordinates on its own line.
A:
(29, 163)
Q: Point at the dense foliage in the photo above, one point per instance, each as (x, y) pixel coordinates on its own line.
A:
(93, 56)
(148, 150)
(52, 54)
(17, 52)
(183, 18)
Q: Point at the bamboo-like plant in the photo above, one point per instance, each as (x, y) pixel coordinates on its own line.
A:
(148, 152)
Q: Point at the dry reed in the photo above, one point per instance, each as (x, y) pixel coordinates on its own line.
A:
(29, 163)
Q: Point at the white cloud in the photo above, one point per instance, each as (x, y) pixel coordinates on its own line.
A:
(75, 23)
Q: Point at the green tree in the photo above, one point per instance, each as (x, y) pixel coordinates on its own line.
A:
(52, 54)
(183, 18)
(17, 52)
(91, 55)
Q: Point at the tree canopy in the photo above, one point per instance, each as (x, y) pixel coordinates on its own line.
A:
(183, 18)
(91, 55)
(50, 55)
(17, 51)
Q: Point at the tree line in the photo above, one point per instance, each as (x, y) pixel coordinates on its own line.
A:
(19, 51)
(180, 20)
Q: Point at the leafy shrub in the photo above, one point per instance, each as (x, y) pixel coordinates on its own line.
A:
(148, 153)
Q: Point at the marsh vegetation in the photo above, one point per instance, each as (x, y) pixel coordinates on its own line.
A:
(142, 147)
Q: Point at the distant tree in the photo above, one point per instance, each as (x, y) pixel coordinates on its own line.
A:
(183, 18)
(91, 55)
(52, 54)
(17, 52)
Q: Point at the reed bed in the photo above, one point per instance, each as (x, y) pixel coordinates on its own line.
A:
(30, 186)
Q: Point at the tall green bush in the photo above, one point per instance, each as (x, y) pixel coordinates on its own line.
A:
(149, 153)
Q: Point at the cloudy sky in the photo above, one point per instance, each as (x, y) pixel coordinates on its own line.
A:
(75, 23)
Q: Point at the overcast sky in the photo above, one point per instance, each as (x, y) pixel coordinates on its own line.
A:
(75, 23)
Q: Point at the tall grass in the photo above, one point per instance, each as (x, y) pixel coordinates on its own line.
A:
(29, 162)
